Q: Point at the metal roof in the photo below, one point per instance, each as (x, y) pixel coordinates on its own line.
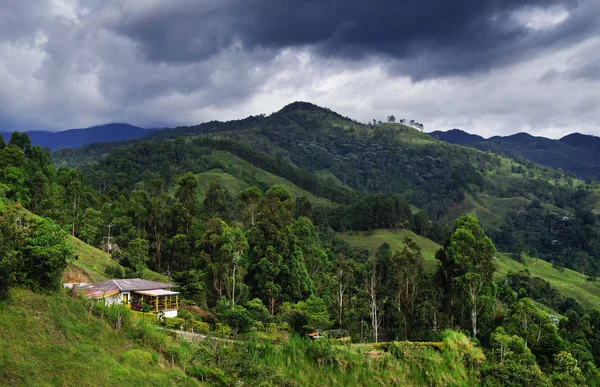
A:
(91, 293)
(128, 285)
(156, 292)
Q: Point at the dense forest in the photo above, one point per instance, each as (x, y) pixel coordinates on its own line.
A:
(265, 257)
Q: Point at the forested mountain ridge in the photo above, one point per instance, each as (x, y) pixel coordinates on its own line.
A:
(577, 154)
(254, 240)
(442, 179)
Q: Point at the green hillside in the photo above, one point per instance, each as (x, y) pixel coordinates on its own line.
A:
(570, 283)
(371, 240)
(234, 170)
(52, 340)
(317, 153)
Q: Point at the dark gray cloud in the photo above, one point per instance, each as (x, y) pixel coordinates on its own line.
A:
(454, 36)
(489, 66)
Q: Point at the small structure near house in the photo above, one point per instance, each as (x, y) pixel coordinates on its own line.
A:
(134, 293)
(315, 335)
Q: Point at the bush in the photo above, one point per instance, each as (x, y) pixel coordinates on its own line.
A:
(203, 374)
(237, 319)
(200, 313)
(200, 326)
(258, 311)
(272, 328)
(173, 323)
(115, 271)
(148, 317)
(222, 330)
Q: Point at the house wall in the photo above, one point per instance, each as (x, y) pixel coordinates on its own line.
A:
(116, 298)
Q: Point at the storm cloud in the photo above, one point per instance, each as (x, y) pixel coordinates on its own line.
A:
(487, 66)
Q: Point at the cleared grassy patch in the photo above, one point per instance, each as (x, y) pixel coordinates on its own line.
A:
(91, 265)
(568, 282)
(239, 168)
(327, 175)
(371, 240)
(92, 261)
(227, 181)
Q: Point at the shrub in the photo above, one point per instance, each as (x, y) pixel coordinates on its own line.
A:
(203, 374)
(200, 326)
(272, 328)
(258, 311)
(199, 313)
(115, 271)
(148, 317)
(222, 330)
(173, 323)
(237, 319)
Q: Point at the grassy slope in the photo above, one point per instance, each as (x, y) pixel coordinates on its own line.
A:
(329, 176)
(91, 265)
(238, 167)
(372, 240)
(51, 340)
(568, 282)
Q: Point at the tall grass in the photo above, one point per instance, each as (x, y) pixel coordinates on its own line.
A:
(54, 340)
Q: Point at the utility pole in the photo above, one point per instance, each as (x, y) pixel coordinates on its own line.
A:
(108, 249)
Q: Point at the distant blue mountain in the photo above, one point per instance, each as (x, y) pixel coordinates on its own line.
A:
(577, 153)
(457, 136)
(74, 138)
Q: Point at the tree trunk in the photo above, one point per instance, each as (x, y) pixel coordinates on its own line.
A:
(233, 289)
(474, 320)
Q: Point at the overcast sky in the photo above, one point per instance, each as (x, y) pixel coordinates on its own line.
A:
(485, 66)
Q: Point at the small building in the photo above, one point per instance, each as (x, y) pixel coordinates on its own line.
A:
(134, 293)
(315, 335)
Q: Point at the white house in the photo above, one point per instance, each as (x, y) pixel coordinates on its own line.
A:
(135, 293)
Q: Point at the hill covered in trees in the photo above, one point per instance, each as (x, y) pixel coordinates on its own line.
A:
(251, 219)
(339, 159)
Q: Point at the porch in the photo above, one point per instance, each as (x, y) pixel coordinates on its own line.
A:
(159, 300)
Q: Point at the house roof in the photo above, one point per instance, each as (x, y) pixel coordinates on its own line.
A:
(156, 292)
(91, 293)
(127, 285)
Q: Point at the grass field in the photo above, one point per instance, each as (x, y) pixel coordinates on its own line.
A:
(371, 240)
(568, 282)
(327, 175)
(227, 181)
(236, 169)
(91, 261)
(91, 265)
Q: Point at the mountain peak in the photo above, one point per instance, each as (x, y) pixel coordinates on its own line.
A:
(307, 107)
